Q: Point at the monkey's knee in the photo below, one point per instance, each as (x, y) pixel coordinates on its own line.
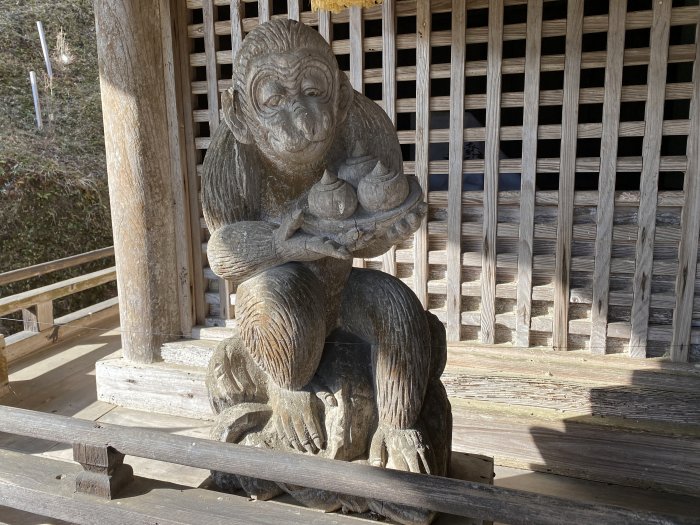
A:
(385, 312)
(281, 318)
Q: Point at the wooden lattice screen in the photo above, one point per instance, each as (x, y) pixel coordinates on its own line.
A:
(588, 110)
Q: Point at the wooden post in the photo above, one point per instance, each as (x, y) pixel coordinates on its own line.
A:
(39, 317)
(456, 168)
(3, 367)
(105, 472)
(131, 57)
(567, 173)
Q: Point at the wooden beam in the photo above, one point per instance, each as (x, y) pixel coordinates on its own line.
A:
(3, 367)
(420, 241)
(567, 173)
(491, 171)
(441, 494)
(454, 188)
(293, 9)
(44, 486)
(52, 266)
(57, 290)
(176, 93)
(649, 183)
(264, 10)
(132, 59)
(690, 224)
(236, 27)
(357, 66)
(607, 177)
(24, 344)
(531, 101)
(389, 94)
(181, 50)
(324, 25)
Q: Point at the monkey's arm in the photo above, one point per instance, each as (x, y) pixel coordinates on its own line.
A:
(244, 249)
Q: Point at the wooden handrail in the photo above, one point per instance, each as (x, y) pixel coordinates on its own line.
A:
(60, 264)
(56, 290)
(446, 495)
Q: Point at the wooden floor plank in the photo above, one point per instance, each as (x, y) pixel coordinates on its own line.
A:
(615, 456)
(47, 487)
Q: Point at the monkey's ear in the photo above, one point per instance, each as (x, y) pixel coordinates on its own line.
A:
(345, 97)
(233, 116)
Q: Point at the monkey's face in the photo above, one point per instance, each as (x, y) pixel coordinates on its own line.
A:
(292, 106)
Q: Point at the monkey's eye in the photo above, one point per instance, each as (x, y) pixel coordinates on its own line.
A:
(273, 101)
(312, 92)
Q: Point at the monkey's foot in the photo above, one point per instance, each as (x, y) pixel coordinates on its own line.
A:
(401, 449)
(297, 418)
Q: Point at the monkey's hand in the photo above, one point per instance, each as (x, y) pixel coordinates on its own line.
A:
(296, 417)
(400, 449)
(373, 244)
(293, 245)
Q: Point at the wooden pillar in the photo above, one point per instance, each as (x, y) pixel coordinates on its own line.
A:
(132, 51)
(3, 366)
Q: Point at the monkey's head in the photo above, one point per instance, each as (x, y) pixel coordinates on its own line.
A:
(288, 95)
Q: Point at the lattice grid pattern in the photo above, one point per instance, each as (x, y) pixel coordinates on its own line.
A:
(511, 114)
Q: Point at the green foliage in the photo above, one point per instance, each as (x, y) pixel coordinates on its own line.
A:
(53, 187)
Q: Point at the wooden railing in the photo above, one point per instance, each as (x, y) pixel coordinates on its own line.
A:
(440, 494)
(40, 328)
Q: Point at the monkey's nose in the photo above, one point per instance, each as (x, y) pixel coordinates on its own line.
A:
(305, 122)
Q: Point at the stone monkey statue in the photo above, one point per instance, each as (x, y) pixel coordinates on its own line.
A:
(290, 116)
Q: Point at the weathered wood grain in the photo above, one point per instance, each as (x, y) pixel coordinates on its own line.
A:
(236, 26)
(3, 368)
(324, 25)
(491, 171)
(46, 487)
(514, 31)
(589, 59)
(165, 388)
(52, 266)
(389, 94)
(441, 494)
(572, 397)
(456, 158)
(264, 12)
(608, 174)
(23, 344)
(293, 9)
(38, 317)
(531, 97)
(105, 474)
(134, 102)
(188, 156)
(421, 170)
(175, 88)
(569, 448)
(690, 224)
(357, 66)
(57, 290)
(213, 108)
(567, 172)
(649, 184)
(211, 65)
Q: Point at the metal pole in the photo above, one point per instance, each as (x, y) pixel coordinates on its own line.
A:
(44, 48)
(37, 105)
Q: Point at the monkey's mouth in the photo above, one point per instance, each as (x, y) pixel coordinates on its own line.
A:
(298, 144)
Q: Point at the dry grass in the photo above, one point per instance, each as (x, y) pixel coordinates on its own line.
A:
(53, 188)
